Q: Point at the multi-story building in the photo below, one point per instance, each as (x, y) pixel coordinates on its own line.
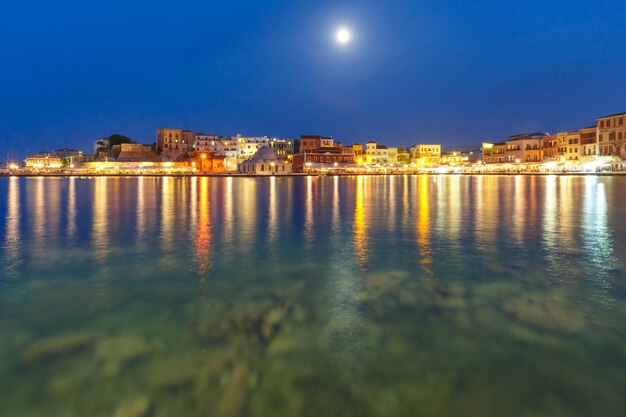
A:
(309, 143)
(611, 133)
(568, 144)
(550, 153)
(282, 147)
(174, 144)
(376, 154)
(329, 158)
(248, 146)
(426, 154)
(493, 152)
(524, 148)
(208, 143)
(588, 143)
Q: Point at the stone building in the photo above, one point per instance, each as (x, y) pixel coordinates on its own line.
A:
(265, 162)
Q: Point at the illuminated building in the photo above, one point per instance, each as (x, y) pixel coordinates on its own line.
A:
(550, 148)
(174, 144)
(248, 146)
(588, 143)
(282, 147)
(208, 143)
(265, 162)
(493, 152)
(376, 154)
(568, 145)
(310, 143)
(323, 159)
(611, 136)
(524, 148)
(44, 160)
(426, 154)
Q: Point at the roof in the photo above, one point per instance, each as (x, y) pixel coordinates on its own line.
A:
(526, 136)
(381, 147)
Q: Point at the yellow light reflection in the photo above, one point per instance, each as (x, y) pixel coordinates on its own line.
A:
(308, 214)
(168, 214)
(204, 239)
(360, 225)
(272, 222)
(71, 210)
(141, 213)
(423, 224)
(12, 238)
(100, 224)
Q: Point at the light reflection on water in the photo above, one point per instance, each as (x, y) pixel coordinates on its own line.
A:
(452, 295)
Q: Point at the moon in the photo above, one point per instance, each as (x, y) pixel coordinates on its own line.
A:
(343, 36)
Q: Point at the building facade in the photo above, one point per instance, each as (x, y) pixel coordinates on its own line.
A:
(309, 143)
(494, 152)
(331, 158)
(426, 154)
(174, 144)
(265, 162)
(376, 154)
(611, 137)
(524, 148)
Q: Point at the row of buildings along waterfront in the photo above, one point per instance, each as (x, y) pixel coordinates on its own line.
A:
(598, 147)
(180, 150)
(593, 148)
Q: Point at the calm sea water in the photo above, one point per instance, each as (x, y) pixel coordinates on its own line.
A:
(353, 296)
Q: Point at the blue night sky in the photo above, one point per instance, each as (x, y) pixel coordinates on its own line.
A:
(453, 72)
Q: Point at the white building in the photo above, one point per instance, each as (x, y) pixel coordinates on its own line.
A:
(208, 143)
(247, 147)
(265, 162)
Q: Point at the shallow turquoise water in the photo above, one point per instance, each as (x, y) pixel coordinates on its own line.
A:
(353, 296)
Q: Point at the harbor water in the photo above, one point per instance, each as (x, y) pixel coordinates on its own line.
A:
(354, 296)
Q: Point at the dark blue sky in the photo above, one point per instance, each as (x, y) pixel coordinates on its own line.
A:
(453, 72)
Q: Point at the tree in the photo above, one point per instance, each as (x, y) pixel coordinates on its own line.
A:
(118, 140)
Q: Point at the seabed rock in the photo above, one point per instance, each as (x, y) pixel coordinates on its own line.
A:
(234, 398)
(257, 325)
(115, 351)
(135, 407)
(45, 349)
(545, 311)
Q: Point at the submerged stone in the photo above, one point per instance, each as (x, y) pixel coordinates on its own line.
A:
(257, 325)
(53, 347)
(545, 311)
(233, 400)
(135, 407)
(123, 348)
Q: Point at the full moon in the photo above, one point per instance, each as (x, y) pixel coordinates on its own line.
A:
(343, 36)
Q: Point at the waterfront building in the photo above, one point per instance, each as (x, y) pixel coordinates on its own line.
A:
(356, 150)
(322, 159)
(209, 162)
(611, 138)
(550, 149)
(208, 143)
(426, 154)
(588, 143)
(524, 148)
(174, 144)
(376, 154)
(265, 162)
(310, 143)
(459, 158)
(248, 146)
(568, 144)
(282, 147)
(44, 160)
(493, 152)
